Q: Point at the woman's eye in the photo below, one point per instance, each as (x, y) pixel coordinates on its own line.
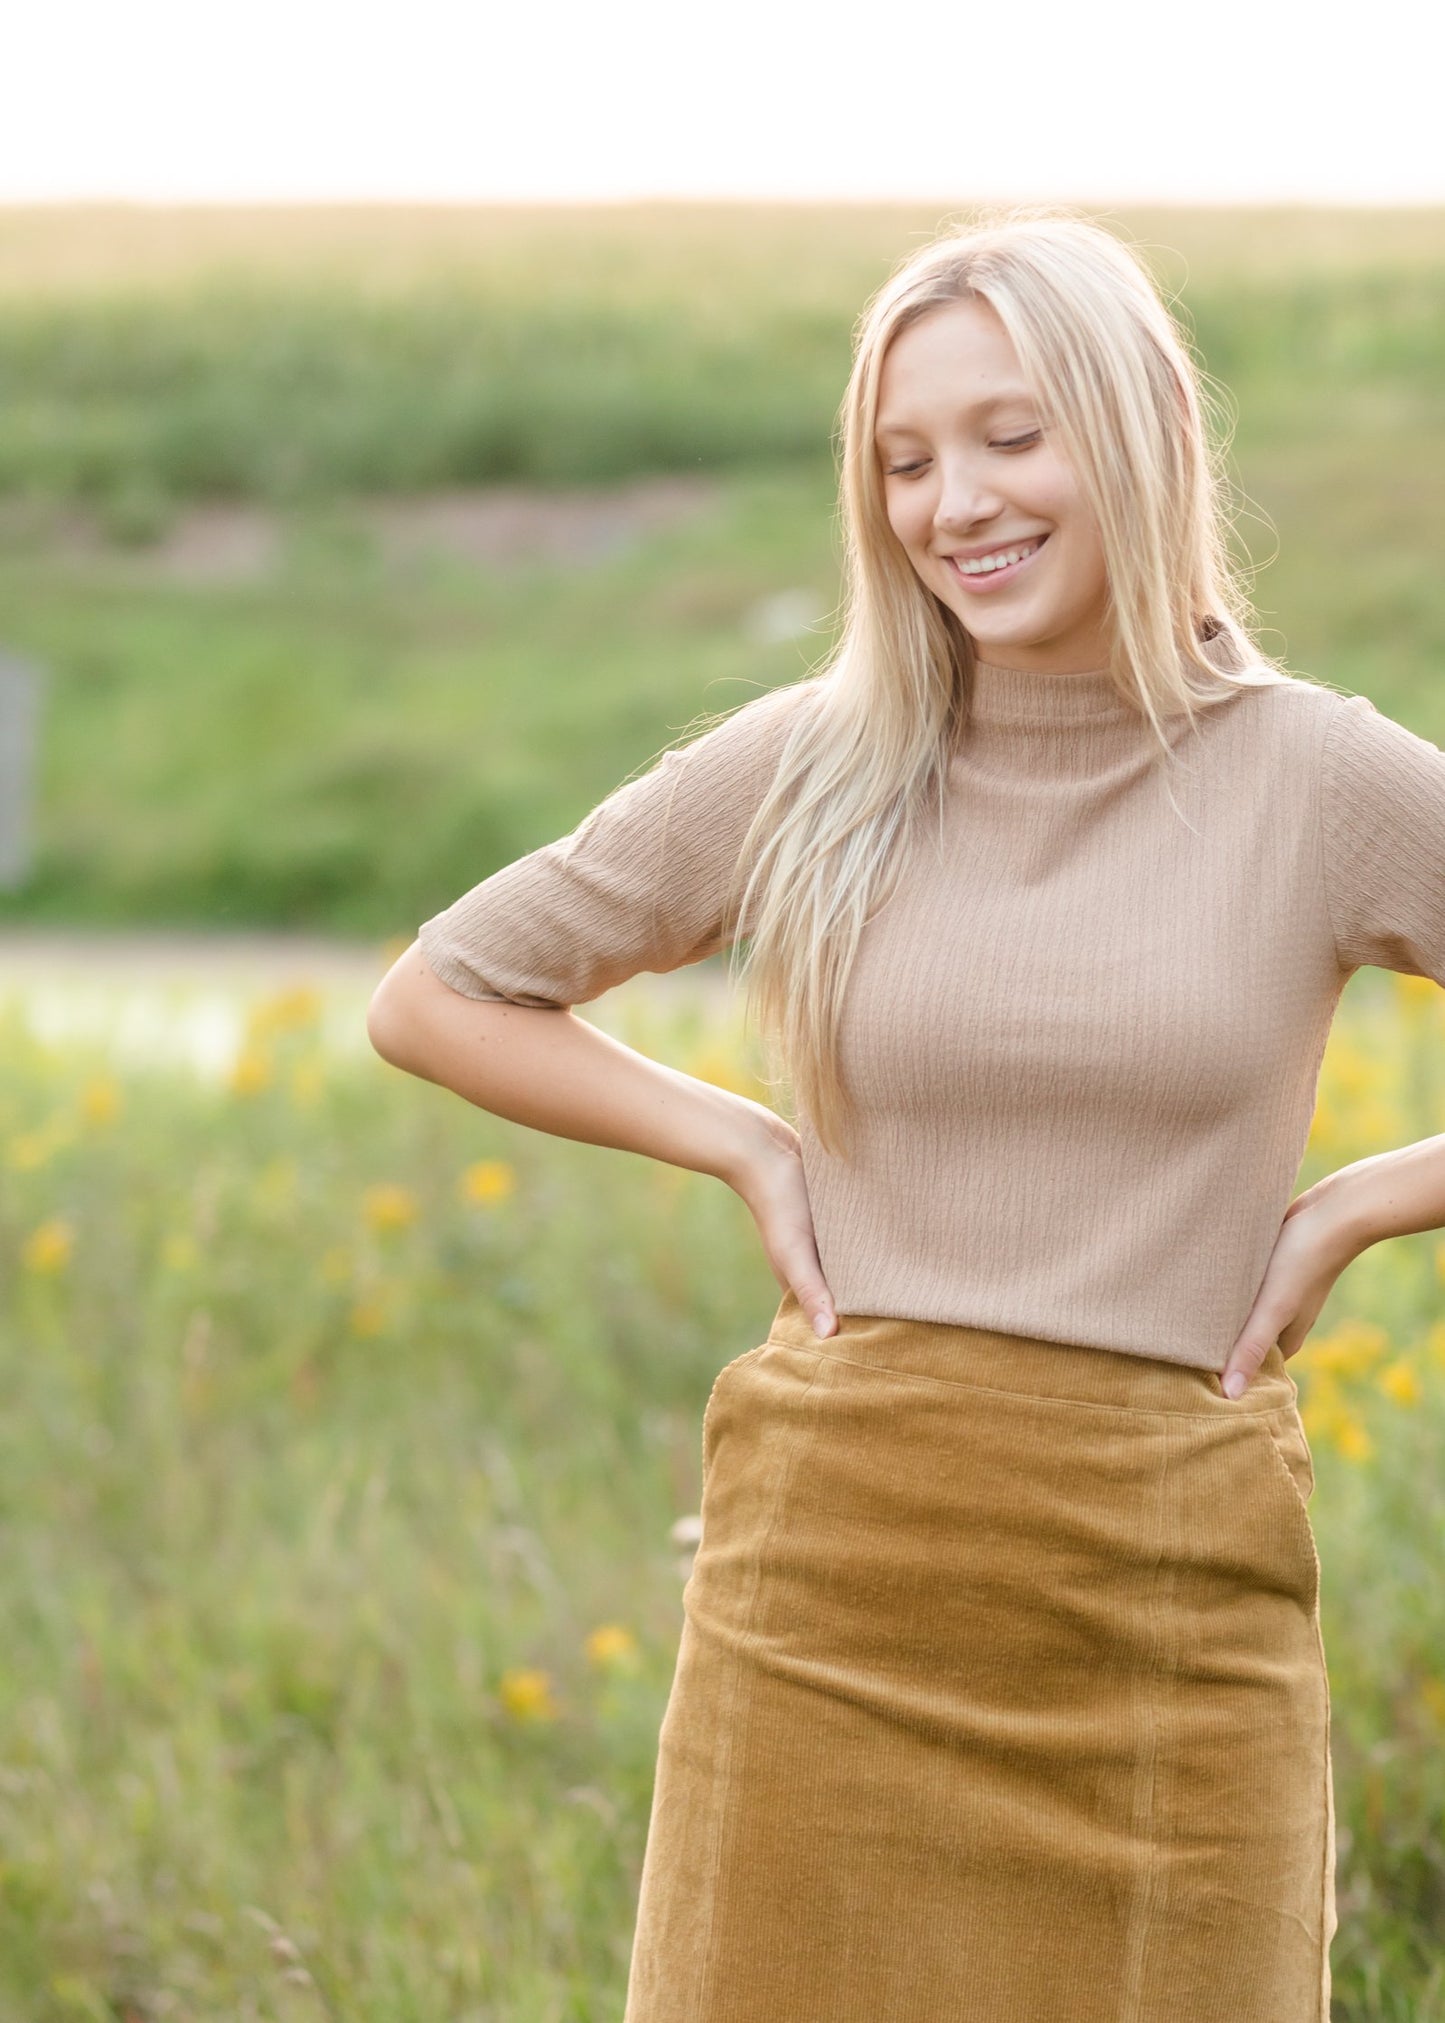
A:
(903, 470)
(1020, 442)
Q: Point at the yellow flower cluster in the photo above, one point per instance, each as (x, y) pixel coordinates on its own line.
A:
(47, 1249)
(487, 1181)
(296, 1010)
(1365, 1093)
(97, 1105)
(529, 1695)
(269, 1023)
(1344, 1369)
(612, 1648)
(387, 1207)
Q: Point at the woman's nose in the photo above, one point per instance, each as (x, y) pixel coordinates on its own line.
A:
(965, 499)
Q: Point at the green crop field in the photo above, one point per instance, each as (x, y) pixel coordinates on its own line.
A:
(351, 729)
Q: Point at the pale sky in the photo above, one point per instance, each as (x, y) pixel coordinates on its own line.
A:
(1121, 101)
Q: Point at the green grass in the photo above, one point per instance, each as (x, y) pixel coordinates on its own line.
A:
(349, 745)
(333, 353)
(347, 742)
(287, 1497)
(299, 1487)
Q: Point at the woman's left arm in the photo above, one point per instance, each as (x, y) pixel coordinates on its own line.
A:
(1389, 1194)
(1380, 802)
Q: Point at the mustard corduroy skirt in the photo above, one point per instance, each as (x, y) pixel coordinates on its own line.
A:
(1000, 1696)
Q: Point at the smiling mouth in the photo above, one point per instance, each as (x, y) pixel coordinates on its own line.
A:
(984, 578)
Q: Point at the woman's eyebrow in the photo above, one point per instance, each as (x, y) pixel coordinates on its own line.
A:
(1020, 395)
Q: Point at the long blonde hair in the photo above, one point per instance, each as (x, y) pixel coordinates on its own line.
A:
(1127, 403)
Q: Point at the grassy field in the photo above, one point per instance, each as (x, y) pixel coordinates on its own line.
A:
(346, 1427)
(345, 1433)
(148, 358)
(347, 736)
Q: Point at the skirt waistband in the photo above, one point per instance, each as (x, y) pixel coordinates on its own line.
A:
(952, 1352)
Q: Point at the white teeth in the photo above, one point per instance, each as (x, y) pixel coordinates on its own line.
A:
(987, 563)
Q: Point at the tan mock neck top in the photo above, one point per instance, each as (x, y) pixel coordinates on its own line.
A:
(1084, 1038)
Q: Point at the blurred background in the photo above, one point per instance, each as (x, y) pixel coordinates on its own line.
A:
(410, 420)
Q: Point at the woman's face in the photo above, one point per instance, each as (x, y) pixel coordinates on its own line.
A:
(970, 470)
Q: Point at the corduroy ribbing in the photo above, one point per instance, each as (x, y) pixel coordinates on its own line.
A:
(1084, 1035)
(1000, 1696)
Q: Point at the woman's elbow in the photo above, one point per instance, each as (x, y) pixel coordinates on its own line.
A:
(396, 1015)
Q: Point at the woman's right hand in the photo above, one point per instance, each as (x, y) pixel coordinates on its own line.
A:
(769, 1177)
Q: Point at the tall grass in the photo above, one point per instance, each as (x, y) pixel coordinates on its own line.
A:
(346, 1432)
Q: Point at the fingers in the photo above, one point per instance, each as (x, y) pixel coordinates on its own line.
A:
(818, 1306)
(1243, 1365)
(816, 1301)
(778, 1198)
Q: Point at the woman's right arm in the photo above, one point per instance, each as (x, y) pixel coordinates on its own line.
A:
(543, 1067)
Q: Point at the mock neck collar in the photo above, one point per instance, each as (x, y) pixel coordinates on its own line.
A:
(1018, 695)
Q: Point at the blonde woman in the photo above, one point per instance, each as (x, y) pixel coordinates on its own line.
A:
(1001, 1695)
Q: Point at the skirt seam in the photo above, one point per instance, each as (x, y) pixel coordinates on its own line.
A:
(732, 1722)
(1157, 1672)
(1039, 1397)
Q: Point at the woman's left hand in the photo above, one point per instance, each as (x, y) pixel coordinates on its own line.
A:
(1317, 1239)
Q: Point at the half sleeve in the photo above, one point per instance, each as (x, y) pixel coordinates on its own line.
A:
(641, 884)
(1383, 816)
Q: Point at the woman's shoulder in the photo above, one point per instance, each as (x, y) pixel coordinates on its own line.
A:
(744, 744)
(1277, 711)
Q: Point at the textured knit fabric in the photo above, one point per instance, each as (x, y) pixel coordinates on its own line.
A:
(1084, 1035)
(1000, 1695)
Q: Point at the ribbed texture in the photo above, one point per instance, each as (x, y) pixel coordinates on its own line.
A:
(1084, 1037)
(1000, 1696)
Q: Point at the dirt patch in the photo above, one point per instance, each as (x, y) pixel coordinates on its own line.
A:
(215, 544)
(515, 523)
(491, 526)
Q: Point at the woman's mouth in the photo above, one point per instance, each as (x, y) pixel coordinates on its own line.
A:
(990, 577)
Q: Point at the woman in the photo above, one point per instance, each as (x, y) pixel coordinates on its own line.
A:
(1000, 1693)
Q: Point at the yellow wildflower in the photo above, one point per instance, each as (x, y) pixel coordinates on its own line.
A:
(1349, 1070)
(1400, 1380)
(1380, 1118)
(1321, 1406)
(1351, 1351)
(488, 1180)
(33, 1149)
(1432, 1692)
(47, 1249)
(251, 1072)
(1352, 1439)
(1325, 1129)
(527, 1695)
(713, 1064)
(387, 1206)
(1414, 993)
(28, 1152)
(100, 1101)
(611, 1647)
(289, 1011)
